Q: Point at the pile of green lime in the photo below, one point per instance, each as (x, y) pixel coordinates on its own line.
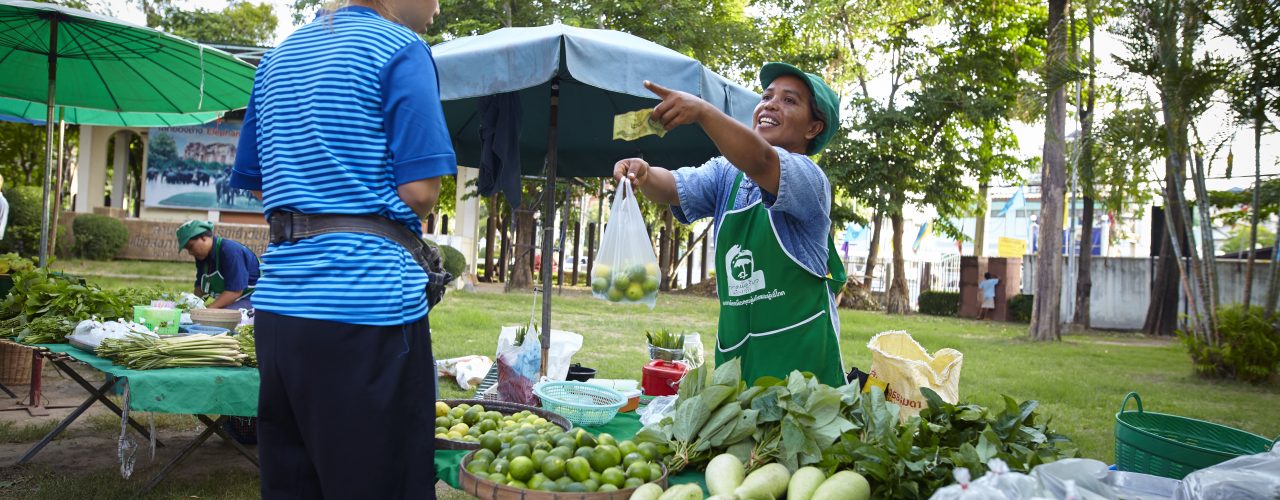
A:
(632, 284)
(575, 461)
(469, 423)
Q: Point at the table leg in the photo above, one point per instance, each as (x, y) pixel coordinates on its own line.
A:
(60, 365)
(204, 436)
(62, 426)
(217, 428)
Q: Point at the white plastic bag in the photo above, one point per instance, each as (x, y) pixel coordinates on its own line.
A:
(90, 333)
(467, 370)
(1241, 478)
(1014, 485)
(626, 270)
(966, 490)
(1075, 478)
(518, 368)
(563, 346)
(657, 409)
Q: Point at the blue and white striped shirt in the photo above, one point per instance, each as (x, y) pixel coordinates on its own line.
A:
(343, 112)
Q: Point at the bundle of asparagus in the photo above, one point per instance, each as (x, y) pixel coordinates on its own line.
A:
(144, 352)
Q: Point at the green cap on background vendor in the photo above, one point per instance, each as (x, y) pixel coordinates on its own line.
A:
(225, 269)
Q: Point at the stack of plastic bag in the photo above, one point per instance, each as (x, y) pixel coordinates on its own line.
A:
(967, 490)
(89, 334)
(1243, 478)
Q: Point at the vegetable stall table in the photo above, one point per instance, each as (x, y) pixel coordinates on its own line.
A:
(624, 426)
(199, 391)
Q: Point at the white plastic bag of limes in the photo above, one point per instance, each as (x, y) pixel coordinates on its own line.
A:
(626, 270)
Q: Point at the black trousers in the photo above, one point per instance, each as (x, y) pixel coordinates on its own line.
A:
(345, 411)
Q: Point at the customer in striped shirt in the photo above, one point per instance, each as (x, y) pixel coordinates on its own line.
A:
(345, 118)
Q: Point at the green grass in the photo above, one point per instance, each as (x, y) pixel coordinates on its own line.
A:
(14, 432)
(1079, 382)
(155, 270)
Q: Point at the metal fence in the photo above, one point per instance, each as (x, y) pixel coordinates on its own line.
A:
(942, 276)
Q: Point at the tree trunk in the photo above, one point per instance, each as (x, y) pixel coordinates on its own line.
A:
(896, 300)
(1084, 264)
(873, 253)
(1046, 311)
(666, 250)
(1273, 291)
(490, 237)
(521, 276)
(1255, 208)
(1084, 276)
(980, 229)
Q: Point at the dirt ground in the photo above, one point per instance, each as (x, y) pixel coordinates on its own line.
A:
(90, 444)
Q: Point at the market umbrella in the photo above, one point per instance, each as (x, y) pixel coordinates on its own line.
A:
(55, 56)
(570, 83)
(35, 113)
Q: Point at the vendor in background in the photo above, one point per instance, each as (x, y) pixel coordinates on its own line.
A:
(225, 269)
(772, 210)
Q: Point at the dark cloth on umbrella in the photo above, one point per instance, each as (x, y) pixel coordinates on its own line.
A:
(500, 125)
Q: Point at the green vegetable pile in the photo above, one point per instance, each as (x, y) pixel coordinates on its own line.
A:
(14, 263)
(787, 422)
(44, 307)
(916, 457)
(244, 335)
(800, 422)
(46, 330)
(143, 352)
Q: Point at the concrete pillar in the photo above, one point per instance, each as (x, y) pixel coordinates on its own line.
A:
(91, 168)
(1009, 271)
(120, 174)
(971, 271)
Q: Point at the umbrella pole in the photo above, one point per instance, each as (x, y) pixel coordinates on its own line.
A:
(57, 182)
(48, 141)
(548, 221)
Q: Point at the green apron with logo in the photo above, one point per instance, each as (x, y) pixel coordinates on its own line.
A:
(213, 283)
(774, 313)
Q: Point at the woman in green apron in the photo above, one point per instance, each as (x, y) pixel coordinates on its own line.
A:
(225, 269)
(776, 265)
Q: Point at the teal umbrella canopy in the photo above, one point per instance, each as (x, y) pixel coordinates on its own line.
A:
(55, 55)
(600, 74)
(109, 64)
(34, 112)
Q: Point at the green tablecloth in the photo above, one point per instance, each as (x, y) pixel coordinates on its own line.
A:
(623, 427)
(187, 391)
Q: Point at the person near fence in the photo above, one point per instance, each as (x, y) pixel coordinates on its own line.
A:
(345, 132)
(225, 269)
(988, 288)
(778, 268)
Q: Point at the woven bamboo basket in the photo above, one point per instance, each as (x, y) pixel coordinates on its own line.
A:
(15, 364)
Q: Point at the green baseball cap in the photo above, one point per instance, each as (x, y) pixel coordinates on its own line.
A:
(827, 100)
(191, 229)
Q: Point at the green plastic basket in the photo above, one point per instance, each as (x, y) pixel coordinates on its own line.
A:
(1171, 446)
(582, 403)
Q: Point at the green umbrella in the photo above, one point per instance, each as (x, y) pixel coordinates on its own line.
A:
(34, 112)
(60, 56)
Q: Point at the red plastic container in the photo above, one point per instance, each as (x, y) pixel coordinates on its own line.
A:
(662, 378)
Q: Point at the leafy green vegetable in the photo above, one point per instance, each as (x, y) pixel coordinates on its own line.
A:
(914, 458)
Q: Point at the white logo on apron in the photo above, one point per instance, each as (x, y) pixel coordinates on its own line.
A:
(743, 277)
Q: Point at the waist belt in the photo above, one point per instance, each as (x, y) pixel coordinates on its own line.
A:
(289, 227)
